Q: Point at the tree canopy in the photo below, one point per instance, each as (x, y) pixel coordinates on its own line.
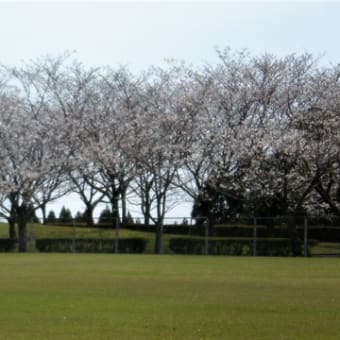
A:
(258, 134)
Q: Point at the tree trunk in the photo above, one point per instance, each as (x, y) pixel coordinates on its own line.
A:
(22, 231)
(89, 215)
(115, 221)
(12, 218)
(11, 229)
(293, 236)
(22, 227)
(124, 208)
(115, 208)
(147, 213)
(146, 201)
(211, 225)
(43, 212)
(158, 238)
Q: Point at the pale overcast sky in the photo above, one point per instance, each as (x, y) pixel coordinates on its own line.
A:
(141, 33)
(138, 34)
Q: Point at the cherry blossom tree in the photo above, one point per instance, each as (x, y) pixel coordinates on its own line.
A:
(158, 147)
(31, 149)
(28, 157)
(262, 131)
(320, 126)
(108, 138)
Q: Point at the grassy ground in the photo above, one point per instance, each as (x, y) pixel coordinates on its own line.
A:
(66, 296)
(49, 231)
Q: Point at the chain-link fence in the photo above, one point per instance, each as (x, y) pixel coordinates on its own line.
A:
(257, 236)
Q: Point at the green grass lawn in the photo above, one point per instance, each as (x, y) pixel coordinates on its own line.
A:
(52, 231)
(67, 296)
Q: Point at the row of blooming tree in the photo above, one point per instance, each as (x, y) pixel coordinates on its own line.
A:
(261, 131)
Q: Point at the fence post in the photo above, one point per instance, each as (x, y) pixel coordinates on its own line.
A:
(161, 239)
(305, 237)
(117, 235)
(73, 236)
(254, 237)
(206, 241)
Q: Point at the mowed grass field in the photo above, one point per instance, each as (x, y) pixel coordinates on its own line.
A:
(78, 296)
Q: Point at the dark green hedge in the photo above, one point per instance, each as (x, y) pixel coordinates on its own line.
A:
(91, 245)
(272, 247)
(324, 234)
(6, 245)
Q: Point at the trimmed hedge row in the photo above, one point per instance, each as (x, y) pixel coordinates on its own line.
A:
(6, 245)
(91, 245)
(324, 234)
(272, 247)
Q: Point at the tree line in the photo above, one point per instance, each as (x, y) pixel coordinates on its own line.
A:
(246, 135)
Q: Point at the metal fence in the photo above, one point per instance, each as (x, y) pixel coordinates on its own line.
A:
(257, 236)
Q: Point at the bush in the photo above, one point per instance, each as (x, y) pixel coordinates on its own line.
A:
(270, 247)
(91, 245)
(6, 245)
